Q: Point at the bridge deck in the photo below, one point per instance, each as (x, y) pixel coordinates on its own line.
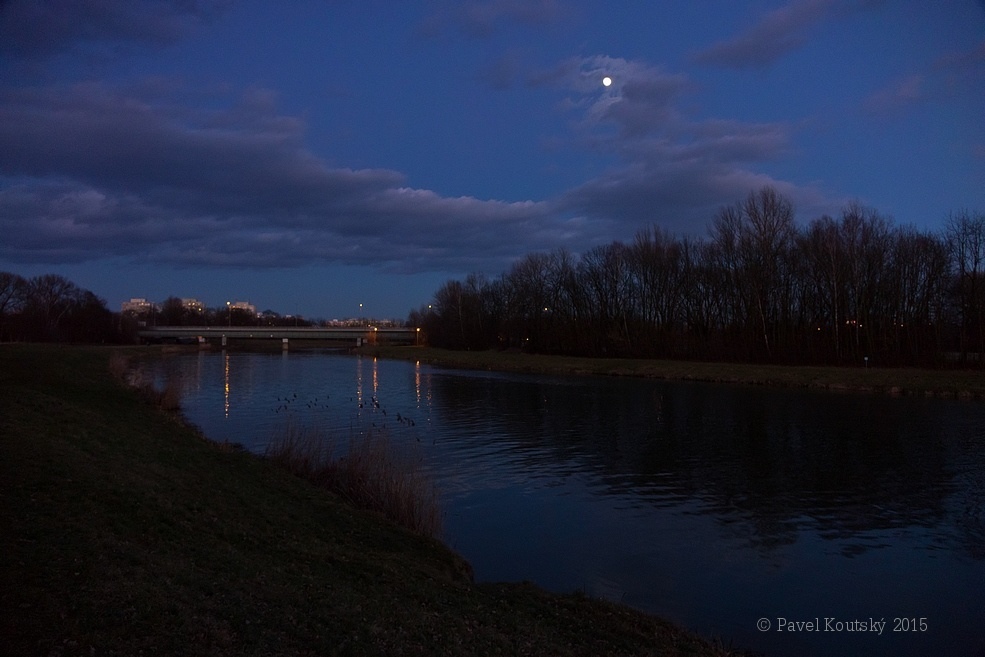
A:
(337, 333)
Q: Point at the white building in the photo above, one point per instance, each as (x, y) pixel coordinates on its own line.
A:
(138, 306)
(243, 305)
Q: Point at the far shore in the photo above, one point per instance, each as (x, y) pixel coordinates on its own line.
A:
(948, 383)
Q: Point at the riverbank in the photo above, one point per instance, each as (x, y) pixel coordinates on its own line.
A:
(125, 532)
(958, 384)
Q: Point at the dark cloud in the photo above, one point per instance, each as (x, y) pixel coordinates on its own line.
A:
(56, 221)
(482, 18)
(683, 199)
(222, 161)
(90, 172)
(778, 33)
(40, 28)
(503, 72)
(898, 95)
(963, 70)
(952, 75)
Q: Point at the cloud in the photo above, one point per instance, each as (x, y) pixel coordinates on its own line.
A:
(88, 172)
(158, 172)
(971, 60)
(483, 18)
(897, 95)
(35, 30)
(504, 71)
(961, 72)
(952, 75)
(673, 168)
(777, 33)
(224, 160)
(640, 99)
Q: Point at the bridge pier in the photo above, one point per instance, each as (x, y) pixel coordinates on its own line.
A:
(283, 344)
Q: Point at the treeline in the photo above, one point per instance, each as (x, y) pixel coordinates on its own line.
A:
(850, 290)
(51, 308)
(174, 312)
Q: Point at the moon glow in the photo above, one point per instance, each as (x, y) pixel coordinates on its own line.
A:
(606, 81)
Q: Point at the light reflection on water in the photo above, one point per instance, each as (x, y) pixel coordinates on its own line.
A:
(711, 505)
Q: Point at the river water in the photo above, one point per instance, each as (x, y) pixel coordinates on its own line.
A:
(723, 508)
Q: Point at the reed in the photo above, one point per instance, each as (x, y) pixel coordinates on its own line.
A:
(371, 473)
(118, 365)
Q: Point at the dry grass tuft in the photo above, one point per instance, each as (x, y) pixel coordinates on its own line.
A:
(168, 398)
(371, 474)
(118, 365)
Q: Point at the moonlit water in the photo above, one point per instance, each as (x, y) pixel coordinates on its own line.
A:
(714, 506)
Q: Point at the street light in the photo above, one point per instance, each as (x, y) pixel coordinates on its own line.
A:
(229, 314)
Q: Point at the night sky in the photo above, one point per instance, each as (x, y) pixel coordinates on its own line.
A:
(312, 155)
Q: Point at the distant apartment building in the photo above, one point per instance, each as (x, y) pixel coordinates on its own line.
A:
(138, 306)
(243, 305)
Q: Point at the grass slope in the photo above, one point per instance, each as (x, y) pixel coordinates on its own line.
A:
(123, 532)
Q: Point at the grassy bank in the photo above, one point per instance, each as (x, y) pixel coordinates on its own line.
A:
(123, 532)
(962, 384)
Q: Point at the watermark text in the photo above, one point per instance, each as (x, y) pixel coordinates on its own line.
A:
(870, 625)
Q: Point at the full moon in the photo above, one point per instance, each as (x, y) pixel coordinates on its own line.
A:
(606, 81)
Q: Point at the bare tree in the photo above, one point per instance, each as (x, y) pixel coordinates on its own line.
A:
(47, 299)
(753, 244)
(965, 234)
(865, 240)
(821, 251)
(461, 317)
(916, 283)
(767, 241)
(12, 293)
(606, 283)
(173, 312)
(656, 264)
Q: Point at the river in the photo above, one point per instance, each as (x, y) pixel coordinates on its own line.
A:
(783, 521)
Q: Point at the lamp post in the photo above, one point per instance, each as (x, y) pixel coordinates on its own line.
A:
(229, 314)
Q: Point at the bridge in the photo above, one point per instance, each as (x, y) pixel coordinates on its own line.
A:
(342, 335)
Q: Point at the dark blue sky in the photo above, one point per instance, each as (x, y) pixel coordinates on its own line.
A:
(312, 155)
